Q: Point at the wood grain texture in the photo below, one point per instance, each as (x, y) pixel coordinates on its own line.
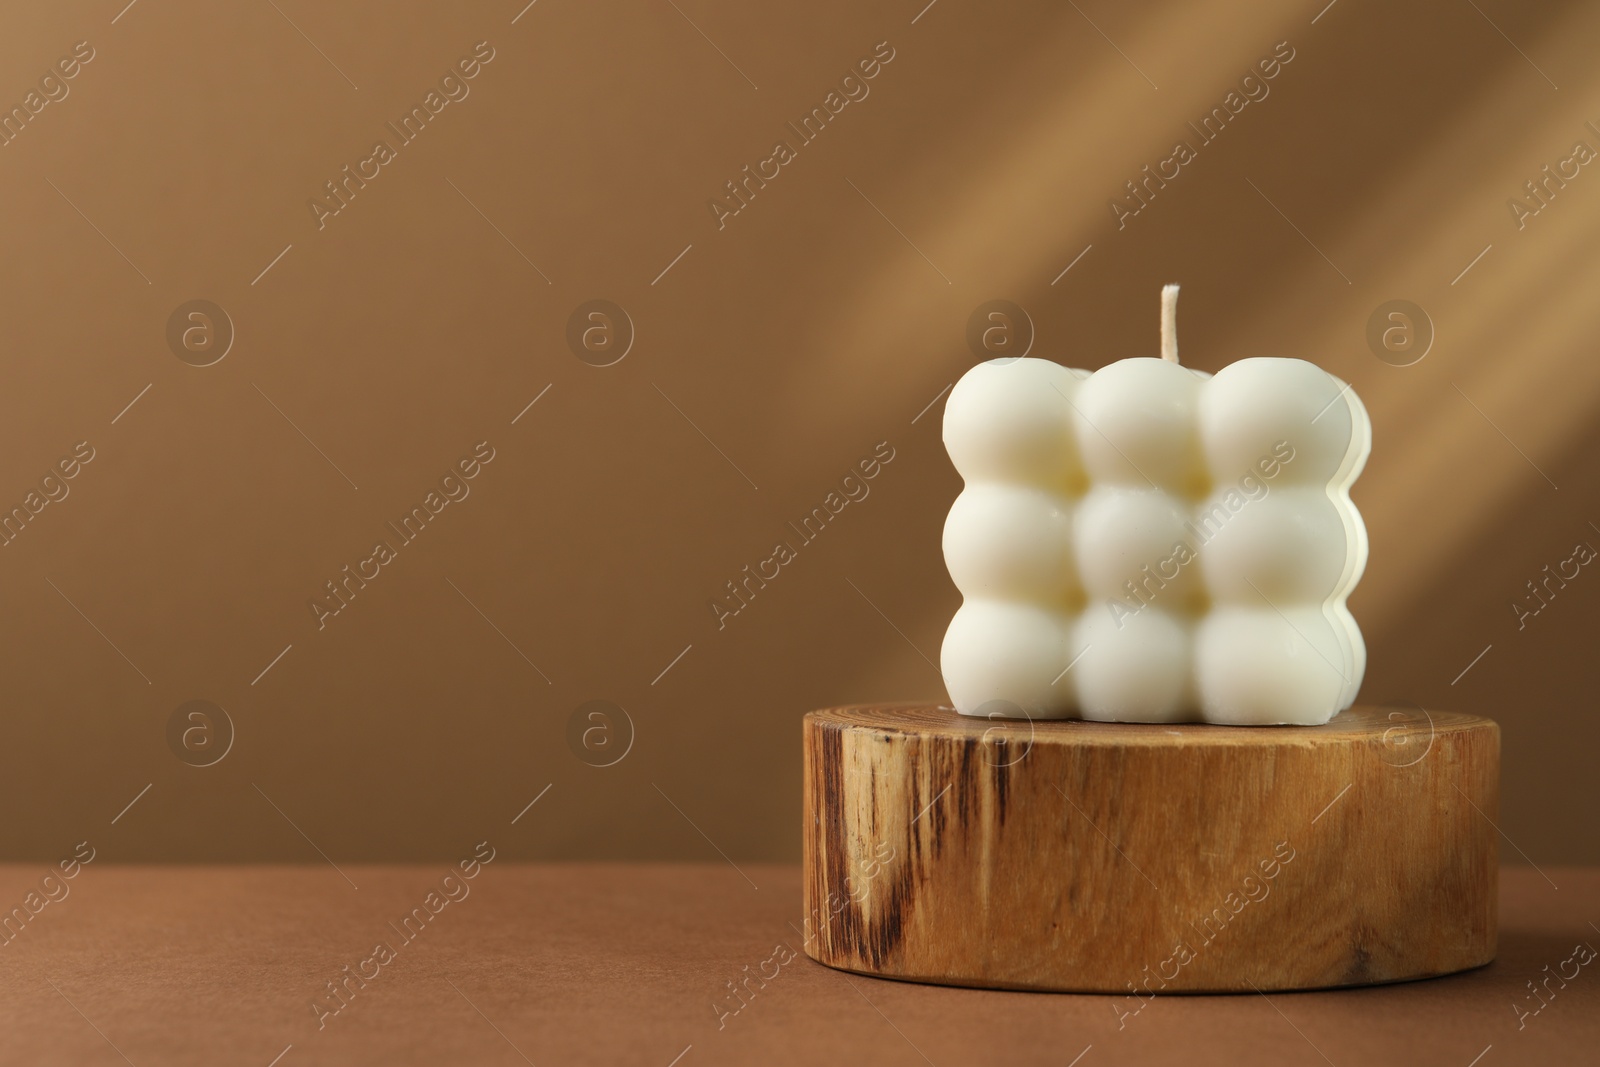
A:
(1118, 858)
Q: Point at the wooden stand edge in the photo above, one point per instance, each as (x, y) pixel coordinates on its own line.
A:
(1141, 859)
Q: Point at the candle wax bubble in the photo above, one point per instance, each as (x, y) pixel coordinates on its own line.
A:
(1137, 426)
(1011, 541)
(1256, 411)
(1010, 420)
(1256, 668)
(997, 650)
(1135, 667)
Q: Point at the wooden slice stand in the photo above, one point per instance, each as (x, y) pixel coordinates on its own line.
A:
(1138, 859)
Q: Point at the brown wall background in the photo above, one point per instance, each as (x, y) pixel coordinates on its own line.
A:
(821, 320)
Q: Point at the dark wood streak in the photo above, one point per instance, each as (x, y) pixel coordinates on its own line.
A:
(1002, 784)
(958, 782)
(872, 792)
(848, 932)
(1361, 965)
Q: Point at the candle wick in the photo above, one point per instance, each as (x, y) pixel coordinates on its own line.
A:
(1169, 323)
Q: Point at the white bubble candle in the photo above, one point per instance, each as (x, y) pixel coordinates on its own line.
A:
(1150, 543)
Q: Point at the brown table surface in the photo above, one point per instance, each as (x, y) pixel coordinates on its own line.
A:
(621, 964)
